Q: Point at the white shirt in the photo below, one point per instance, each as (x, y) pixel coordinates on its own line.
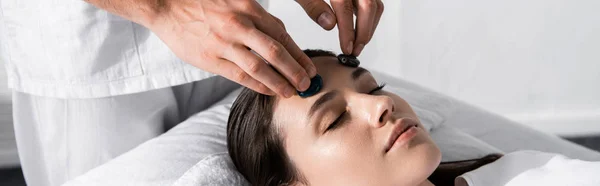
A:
(71, 49)
(526, 168)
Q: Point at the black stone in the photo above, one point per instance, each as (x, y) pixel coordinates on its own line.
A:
(348, 60)
(315, 86)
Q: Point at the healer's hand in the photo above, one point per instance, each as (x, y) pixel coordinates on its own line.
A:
(352, 41)
(216, 35)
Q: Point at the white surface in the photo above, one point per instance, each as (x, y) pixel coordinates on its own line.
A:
(163, 160)
(535, 62)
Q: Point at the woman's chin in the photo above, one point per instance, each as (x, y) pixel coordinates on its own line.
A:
(429, 153)
(419, 159)
(429, 157)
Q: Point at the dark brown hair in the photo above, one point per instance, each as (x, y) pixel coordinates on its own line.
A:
(256, 145)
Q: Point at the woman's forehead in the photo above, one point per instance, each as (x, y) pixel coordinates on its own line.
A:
(330, 68)
(326, 63)
(296, 109)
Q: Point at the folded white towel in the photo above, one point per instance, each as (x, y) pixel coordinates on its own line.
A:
(215, 170)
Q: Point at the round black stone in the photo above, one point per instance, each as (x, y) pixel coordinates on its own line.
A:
(348, 60)
(315, 86)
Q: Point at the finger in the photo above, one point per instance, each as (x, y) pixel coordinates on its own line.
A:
(320, 12)
(278, 48)
(367, 10)
(279, 21)
(378, 16)
(276, 55)
(288, 43)
(284, 39)
(234, 73)
(258, 69)
(344, 13)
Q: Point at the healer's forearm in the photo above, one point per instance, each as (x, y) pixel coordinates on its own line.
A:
(143, 12)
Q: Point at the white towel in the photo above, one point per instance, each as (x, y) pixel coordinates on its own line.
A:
(215, 170)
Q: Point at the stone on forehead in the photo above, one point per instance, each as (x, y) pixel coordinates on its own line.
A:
(315, 86)
(348, 60)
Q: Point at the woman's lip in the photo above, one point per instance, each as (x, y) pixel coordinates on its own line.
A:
(401, 131)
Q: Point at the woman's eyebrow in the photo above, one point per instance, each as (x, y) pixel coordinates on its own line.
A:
(358, 72)
(321, 101)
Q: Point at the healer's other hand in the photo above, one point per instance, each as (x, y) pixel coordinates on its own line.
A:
(352, 39)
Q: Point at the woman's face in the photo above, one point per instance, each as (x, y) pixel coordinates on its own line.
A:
(351, 133)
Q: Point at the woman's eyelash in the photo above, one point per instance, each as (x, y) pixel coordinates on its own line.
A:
(378, 88)
(336, 122)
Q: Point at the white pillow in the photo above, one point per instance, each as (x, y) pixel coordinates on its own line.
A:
(456, 145)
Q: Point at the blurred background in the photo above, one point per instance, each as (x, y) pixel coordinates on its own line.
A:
(536, 62)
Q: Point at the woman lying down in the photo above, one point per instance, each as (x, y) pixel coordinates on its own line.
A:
(353, 132)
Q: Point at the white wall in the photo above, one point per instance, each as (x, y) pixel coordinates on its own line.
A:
(536, 62)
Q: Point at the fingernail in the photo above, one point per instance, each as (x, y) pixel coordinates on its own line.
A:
(359, 49)
(304, 84)
(325, 20)
(350, 47)
(289, 92)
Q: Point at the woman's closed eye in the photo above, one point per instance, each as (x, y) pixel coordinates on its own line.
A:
(378, 88)
(338, 121)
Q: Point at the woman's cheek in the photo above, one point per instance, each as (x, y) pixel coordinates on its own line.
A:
(330, 145)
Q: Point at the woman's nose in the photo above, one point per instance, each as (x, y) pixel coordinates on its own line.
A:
(377, 109)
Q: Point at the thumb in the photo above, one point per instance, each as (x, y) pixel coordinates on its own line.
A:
(320, 12)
